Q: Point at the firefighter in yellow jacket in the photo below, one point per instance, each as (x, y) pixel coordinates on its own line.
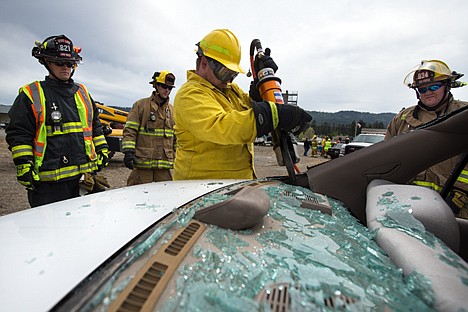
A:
(54, 134)
(148, 142)
(432, 81)
(216, 122)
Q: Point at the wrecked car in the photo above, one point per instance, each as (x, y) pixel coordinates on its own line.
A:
(350, 234)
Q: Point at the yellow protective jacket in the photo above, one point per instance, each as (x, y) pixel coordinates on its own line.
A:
(215, 131)
(149, 133)
(410, 118)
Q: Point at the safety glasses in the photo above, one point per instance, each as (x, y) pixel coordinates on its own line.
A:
(165, 87)
(221, 72)
(68, 64)
(430, 88)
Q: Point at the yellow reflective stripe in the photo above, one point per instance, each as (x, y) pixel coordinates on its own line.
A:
(21, 150)
(169, 135)
(132, 125)
(274, 114)
(463, 177)
(88, 113)
(70, 127)
(128, 144)
(155, 163)
(215, 47)
(36, 95)
(85, 111)
(67, 172)
(99, 140)
(157, 132)
(430, 185)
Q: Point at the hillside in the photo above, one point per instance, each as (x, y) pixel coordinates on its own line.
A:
(339, 118)
(348, 117)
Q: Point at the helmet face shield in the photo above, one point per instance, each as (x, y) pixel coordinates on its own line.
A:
(426, 73)
(221, 72)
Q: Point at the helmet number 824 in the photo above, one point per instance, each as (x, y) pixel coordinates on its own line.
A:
(422, 75)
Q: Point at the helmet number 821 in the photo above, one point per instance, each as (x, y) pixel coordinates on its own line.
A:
(64, 48)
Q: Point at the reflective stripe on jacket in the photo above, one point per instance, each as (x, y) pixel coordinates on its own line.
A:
(407, 120)
(44, 132)
(149, 133)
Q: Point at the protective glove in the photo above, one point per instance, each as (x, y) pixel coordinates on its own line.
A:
(269, 116)
(93, 183)
(458, 201)
(130, 160)
(102, 159)
(100, 183)
(253, 91)
(292, 117)
(86, 182)
(26, 175)
(259, 64)
(106, 130)
(264, 62)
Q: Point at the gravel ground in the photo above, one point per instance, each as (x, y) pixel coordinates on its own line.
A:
(13, 195)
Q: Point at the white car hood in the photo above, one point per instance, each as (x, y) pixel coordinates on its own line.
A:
(46, 251)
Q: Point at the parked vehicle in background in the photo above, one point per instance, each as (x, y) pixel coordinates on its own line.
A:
(363, 140)
(263, 141)
(334, 151)
(259, 141)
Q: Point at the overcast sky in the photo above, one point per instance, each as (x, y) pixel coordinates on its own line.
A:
(338, 55)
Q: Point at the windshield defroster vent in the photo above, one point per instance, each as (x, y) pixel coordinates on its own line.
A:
(339, 302)
(144, 290)
(317, 202)
(277, 297)
(182, 239)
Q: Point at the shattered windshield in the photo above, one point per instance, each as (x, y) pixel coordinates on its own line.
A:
(318, 260)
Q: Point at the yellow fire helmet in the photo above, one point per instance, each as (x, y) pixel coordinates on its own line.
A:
(427, 72)
(223, 46)
(164, 77)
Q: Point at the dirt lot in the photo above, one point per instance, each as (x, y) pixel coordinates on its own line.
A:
(13, 195)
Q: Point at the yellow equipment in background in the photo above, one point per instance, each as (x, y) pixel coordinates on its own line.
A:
(113, 121)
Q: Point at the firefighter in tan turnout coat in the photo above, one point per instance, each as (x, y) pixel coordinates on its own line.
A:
(148, 142)
(433, 80)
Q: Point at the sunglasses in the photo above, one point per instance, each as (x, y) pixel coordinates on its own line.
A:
(165, 87)
(221, 72)
(68, 64)
(430, 88)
